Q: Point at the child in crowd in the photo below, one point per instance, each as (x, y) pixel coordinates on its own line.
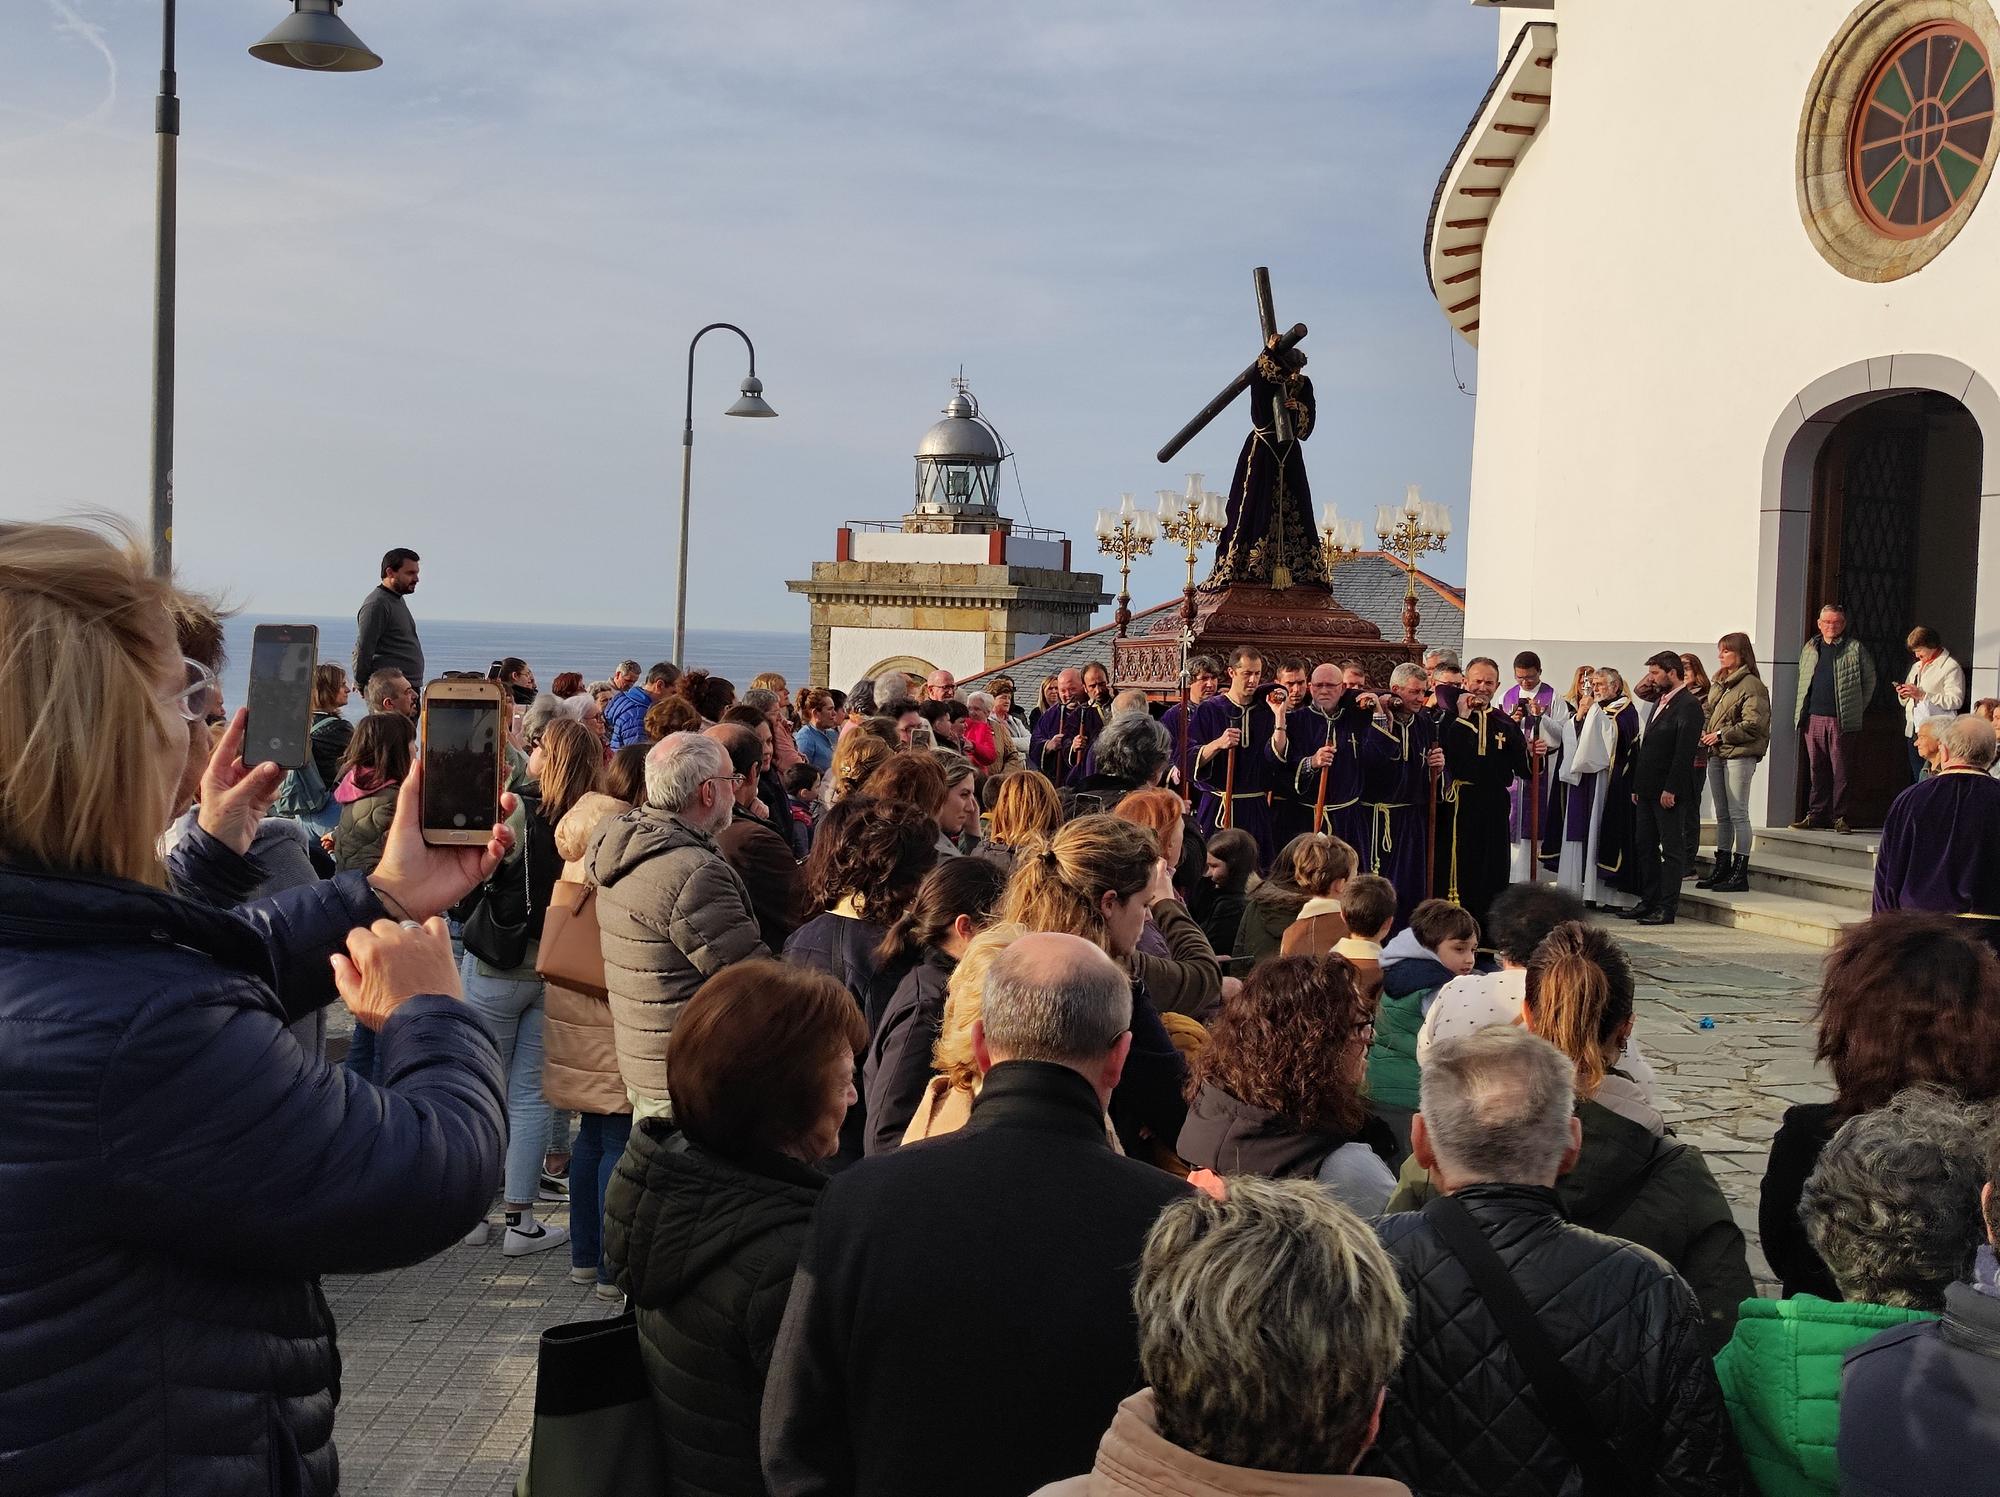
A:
(1225, 886)
(1441, 942)
(802, 790)
(1322, 869)
(1368, 905)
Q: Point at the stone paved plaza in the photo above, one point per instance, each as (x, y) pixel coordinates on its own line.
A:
(438, 1382)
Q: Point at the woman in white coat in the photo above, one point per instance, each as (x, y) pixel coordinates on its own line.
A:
(1934, 688)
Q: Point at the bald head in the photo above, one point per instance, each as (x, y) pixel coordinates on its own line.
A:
(1969, 741)
(1069, 684)
(1060, 999)
(940, 686)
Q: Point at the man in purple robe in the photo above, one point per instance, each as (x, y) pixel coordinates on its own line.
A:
(1062, 735)
(1485, 754)
(1322, 739)
(1527, 701)
(1204, 675)
(1941, 843)
(1233, 769)
(1288, 817)
(1399, 753)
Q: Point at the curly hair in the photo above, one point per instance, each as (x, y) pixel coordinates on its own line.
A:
(1285, 1040)
(875, 852)
(1909, 999)
(855, 757)
(1893, 1203)
(711, 696)
(915, 778)
(671, 715)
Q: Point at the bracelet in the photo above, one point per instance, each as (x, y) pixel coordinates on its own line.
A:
(390, 903)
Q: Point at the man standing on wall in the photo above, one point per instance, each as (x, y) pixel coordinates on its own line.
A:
(385, 636)
(1836, 683)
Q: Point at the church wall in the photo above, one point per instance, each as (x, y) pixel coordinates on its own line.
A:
(1651, 304)
(854, 652)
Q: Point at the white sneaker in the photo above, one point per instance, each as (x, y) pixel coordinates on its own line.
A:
(478, 1235)
(611, 1293)
(519, 1242)
(585, 1275)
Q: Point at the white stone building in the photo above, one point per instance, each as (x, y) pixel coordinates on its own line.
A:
(953, 583)
(1738, 322)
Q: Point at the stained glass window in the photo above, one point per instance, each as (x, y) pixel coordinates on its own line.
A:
(1923, 131)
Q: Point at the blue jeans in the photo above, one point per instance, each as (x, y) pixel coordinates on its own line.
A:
(364, 1053)
(1729, 795)
(510, 1005)
(600, 1139)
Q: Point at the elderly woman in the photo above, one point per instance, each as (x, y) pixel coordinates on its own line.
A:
(1907, 1000)
(1934, 689)
(180, 1169)
(707, 1214)
(1893, 1209)
(1270, 1323)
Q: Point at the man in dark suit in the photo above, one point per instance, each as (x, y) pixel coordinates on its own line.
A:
(1663, 777)
(962, 1316)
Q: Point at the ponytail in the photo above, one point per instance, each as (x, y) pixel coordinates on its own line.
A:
(956, 886)
(1579, 996)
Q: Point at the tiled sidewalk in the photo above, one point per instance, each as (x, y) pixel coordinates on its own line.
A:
(439, 1380)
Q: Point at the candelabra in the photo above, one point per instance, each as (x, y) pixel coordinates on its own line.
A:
(1339, 540)
(1125, 533)
(1414, 530)
(1190, 521)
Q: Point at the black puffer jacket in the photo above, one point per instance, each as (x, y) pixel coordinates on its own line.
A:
(844, 948)
(178, 1172)
(1461, 1416)
(706, 1247)
(898, 1068)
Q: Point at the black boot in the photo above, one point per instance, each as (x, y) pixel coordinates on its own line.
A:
(1638, 911)
(1715, 875)
(1664, 913)
(1738, 881)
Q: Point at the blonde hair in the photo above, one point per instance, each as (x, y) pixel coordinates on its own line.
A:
(768, 681)
(1579, 995)
(855, 757)
(1025, 809)
(1319, 862)
(1060, 885)
(89, 755)
(951, 1056)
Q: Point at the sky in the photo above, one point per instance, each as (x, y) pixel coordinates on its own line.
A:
(446, 304)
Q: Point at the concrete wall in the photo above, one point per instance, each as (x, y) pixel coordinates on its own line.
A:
(1658, 336)
(896, 545)
(853, 653)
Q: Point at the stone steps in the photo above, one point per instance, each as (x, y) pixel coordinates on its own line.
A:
(1804, 886)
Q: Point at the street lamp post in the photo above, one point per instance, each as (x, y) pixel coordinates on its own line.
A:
(1416, 529)
(1125, 533)
(1190, 521)
(313, 38)
(750, 402)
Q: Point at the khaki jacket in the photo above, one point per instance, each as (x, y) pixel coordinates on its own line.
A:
(1739, 708)
(580, 1047)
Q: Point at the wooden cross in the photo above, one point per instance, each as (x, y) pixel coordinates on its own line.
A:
(1281, 350)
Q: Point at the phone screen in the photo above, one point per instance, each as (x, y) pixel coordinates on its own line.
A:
(461, 765)
(281, 684)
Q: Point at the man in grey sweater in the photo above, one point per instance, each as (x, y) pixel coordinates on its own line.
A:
(385, 634)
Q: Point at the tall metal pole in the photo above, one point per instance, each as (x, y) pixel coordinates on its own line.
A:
(167, 127)
(687, 469)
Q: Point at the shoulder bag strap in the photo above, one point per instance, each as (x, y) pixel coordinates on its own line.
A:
(1560, 1395)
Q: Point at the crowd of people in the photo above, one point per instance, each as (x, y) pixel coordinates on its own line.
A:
(955, 1103)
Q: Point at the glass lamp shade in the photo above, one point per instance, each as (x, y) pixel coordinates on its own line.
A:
(1384, 521)
(1105, 524)
(1149, 526)
(1194, 488)
(1444, 523)
(1214, 510)
(1125, 508)
(752, 401)
(1413, 502)
(1354, 538)
(315, 39)
(1171, 505)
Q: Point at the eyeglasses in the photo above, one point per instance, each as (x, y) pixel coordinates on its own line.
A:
(1364, 1030)
(191, 700)
(724, 779)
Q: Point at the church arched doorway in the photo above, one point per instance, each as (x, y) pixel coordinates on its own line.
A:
(1875, 502)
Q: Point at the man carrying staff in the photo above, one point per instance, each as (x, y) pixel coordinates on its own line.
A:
(1064, 732)
(1528, 702)
(1320, 746)
(1233, 767)
(1485, 753)
(1288, 817)
(1399, 753)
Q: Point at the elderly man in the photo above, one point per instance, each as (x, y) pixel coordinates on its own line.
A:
(1539, 1357)
(1485, 754)
(892, 689)
(389, 690)
(940, 686)
(1319, 745)
(1064, 732)
(1941, 844)
(671, 912)
(1041, 1222)
(1836, 684)
(1399, 758)
(626, 676)
(625, 714)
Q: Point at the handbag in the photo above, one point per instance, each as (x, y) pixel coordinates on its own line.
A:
(571, 955)
(595, 1433)
(503, 945)
(1558, 1393)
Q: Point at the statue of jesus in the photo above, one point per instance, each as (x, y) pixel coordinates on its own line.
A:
(1269, 536)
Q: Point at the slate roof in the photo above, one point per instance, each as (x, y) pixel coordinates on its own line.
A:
(1372, 585)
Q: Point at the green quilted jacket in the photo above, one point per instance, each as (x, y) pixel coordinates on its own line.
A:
(1853, 680)
(1780, 1377)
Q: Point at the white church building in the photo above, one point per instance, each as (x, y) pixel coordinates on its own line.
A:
(1738, 317)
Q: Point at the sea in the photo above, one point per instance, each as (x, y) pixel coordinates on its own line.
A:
(463, 645)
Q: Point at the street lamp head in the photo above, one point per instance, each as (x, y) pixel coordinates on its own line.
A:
(752, 401)
(314, 38)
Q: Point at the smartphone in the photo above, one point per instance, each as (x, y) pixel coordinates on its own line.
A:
(282, 660)
(465, 758)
